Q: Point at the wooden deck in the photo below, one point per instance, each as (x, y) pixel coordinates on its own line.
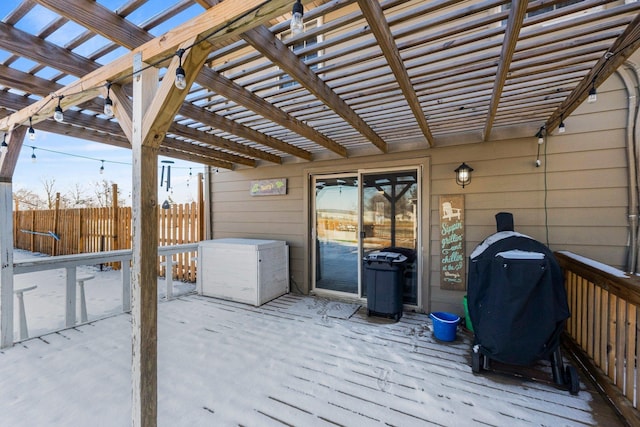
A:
(223, 363)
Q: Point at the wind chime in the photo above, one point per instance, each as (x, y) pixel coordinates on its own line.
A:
(166, 204)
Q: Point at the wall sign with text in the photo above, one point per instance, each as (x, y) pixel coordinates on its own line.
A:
(452, 259)
(269, 187)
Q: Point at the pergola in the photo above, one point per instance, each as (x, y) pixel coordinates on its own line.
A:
(366, 76)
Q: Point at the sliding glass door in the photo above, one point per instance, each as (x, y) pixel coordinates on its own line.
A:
(356, 214)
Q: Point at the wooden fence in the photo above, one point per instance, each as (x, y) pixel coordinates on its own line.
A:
(604, 329)
(76, 231)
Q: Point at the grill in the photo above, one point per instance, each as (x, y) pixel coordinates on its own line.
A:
(517, 303)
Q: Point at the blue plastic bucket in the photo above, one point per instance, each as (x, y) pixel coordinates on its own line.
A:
(445, 325)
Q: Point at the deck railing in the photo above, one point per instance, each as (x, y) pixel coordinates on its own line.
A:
(71, 262)
(604, 328)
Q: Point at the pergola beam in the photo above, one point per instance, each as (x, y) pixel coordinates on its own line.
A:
(380, 28)
(517, 14)
(623, 47)
(231, 90)
(263, 40)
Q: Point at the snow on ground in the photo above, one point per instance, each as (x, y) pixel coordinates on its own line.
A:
(228, 364)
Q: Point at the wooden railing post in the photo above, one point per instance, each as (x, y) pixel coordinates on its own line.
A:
(70, 298)
(54, 247)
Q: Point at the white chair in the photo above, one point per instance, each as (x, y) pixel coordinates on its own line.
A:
(24, 331)
(83, 301)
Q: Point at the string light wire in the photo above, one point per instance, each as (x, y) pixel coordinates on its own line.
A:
(79, 156)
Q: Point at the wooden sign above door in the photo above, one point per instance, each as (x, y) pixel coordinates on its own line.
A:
(452, 259)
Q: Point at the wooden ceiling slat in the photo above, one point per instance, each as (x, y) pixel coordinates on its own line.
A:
(189, 132)
(129, 7)
(99, 20)
(20, 12)
(24, 44)
(191, 155)
(207, 3)
(245, 132)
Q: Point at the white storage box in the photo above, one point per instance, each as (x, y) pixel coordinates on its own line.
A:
(250, 271)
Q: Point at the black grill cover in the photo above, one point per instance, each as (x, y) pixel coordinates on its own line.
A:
(516, 298)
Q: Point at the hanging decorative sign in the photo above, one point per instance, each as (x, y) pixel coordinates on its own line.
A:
(452, 259)
(269, 187)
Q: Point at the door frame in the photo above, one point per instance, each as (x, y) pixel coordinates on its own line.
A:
(312, 175)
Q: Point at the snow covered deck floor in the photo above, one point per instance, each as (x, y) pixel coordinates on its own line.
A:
(227, 364)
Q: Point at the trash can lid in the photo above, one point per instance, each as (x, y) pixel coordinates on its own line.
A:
(385, 257)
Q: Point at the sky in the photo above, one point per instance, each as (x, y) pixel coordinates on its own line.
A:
(222, 363)
(77, 161)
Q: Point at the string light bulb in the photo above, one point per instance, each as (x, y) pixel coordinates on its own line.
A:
(297, 24)
(4, 147)
(102, 167)
(540, 136)
(181, 79)
(593, 95)
(33, 154)
(108, 103)
(32, 133)
(561, 127)
(58, 116)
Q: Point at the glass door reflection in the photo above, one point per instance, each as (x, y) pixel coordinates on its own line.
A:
(389, 220)
(336, 233)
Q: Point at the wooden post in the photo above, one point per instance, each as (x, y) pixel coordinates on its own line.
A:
(144, 274)
(6, 264)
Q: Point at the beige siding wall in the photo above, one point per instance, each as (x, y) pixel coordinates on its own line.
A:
(585, 196)
(235, 213)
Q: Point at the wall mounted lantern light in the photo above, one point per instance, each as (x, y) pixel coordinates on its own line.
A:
(463, 174)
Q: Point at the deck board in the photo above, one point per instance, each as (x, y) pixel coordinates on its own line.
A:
(317, 372)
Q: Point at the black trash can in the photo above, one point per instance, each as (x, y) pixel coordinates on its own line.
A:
(384, 279)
